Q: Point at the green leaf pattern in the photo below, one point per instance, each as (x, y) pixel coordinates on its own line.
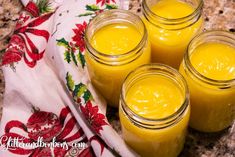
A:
(93, 9)
(86, 14)
(62, 42)
(74, 58)
(71, 52)
(81, 59)
(79, 91)
(44, 6)
(111, 6)
(69, 82)
(67, 56)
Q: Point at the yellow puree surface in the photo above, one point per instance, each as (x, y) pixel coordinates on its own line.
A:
(116, 39)
(168, 46)
(172, 9)
(215, 61)
(154, 97)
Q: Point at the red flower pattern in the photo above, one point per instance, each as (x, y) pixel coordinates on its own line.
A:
(79, 36)
(104, 1)
(95, 119)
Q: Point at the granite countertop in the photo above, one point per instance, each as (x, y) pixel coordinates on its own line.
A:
(218, 14)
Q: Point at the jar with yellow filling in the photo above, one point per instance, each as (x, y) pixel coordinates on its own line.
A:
(171, 25)
(116, 43)
(154, 111)
(209, 69)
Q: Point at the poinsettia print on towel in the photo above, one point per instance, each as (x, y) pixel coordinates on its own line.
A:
(21, 45)
(82, 96)
(74, 50)
(79, 36)
(95, 119)
(49, 127)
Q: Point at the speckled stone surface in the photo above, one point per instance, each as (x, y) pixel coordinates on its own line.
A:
(9, 13)
(218, 14)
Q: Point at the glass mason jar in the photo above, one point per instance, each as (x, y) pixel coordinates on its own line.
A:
(171, 24)
(108, 71)
(148, 136)
(212, 101)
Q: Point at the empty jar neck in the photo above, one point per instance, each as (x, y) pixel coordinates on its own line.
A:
(148, 71)
(173, 23)
(203, 38)
(115, 17)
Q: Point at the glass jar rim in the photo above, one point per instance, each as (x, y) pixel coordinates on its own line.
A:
(214, 82)
(151, 123)
(172, 23)
(95, 53)
(193, 14)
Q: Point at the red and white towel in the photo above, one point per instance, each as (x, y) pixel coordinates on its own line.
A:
(48, 94)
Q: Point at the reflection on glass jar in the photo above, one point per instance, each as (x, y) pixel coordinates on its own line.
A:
(116, 43)
(209, 69)
(171, 25)
(154, 111)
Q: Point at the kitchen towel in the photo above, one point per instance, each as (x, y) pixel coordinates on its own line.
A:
(50, 107)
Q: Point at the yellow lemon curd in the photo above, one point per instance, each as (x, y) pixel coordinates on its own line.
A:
(155, 97)
(116, 42)
(116, 39)
(168, 45)
(213, 108)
